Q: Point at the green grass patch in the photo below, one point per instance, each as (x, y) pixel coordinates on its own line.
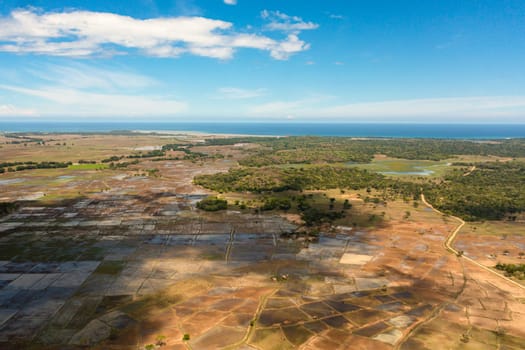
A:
(51, 198)
(88, 166)
(406, 167)
(494, 228)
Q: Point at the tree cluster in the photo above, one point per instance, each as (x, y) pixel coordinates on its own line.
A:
(212, 204)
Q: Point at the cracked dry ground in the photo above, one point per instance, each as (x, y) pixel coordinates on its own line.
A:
(231, 281)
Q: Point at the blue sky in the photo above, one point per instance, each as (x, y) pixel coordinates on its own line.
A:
(251, 60)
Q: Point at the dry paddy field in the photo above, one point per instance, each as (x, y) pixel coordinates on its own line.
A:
(493, 242)
(107, 259)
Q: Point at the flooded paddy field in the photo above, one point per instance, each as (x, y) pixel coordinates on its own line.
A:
(122, 259)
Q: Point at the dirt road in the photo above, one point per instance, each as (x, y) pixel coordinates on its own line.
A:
(450, 240)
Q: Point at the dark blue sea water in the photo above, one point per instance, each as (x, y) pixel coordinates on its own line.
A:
(455, 131)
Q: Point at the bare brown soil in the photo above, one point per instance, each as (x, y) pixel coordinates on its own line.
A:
(122, 259)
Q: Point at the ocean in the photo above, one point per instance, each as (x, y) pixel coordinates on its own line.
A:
(442, 131)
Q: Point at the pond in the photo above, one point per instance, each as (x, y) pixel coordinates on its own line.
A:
(404, 167)
(421, 172)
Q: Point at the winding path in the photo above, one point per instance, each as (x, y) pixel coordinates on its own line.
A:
(450, 240)
(447, 244)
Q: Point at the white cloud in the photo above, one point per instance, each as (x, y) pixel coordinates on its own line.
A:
(460, 106)
(334, 16)
(73, 102)
(82, 90)
(83, 76)
(292, 25)
(233, 93)
(86, 33)
(230, 2)
(424, 110)
(284, 22)
(290, 46)
(12, 111)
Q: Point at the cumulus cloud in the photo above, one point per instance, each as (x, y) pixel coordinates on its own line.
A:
(281, 21)
(86, 33)
(292, 25)
(290, 45)
(230, 2)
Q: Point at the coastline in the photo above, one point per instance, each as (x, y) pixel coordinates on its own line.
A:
(477, 132)
(197, 133)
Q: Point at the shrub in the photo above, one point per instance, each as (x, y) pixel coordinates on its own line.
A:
(212, 204)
